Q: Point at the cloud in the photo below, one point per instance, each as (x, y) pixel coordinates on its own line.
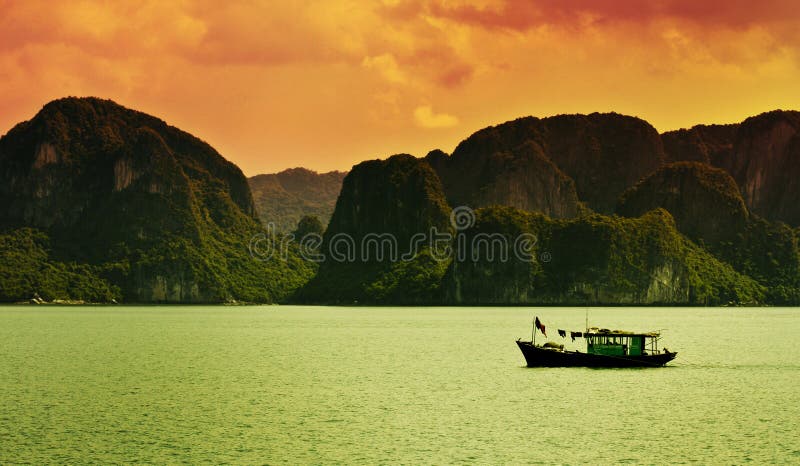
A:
(425, 118)
(387, 66)
(521, 16)
(255, 78)
(456, 75)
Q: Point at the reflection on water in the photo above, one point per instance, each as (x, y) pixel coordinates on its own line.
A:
(412, 385)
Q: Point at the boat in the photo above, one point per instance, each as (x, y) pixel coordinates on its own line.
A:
(604, 348)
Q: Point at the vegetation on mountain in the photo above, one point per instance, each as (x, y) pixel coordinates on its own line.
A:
(590, 259)
(709, 209)
(388, 200)
(150, 209)
(101, 203)
(308, 225)
(768, 252)
(593, 259)
(704, 201)
(400, 195)
(28, 271)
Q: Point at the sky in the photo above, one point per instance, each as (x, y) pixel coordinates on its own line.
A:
(326, 84)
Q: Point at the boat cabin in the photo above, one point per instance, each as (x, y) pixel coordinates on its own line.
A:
(620, 343)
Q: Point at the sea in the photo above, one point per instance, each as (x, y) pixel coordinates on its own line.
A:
(398, 385)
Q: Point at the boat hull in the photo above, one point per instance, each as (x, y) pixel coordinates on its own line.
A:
(536, 356)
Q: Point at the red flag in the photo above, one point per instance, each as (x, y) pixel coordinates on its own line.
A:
(540, 326)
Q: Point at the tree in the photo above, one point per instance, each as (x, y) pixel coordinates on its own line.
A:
(307, 225)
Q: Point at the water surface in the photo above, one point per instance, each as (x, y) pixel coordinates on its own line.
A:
(278, 384)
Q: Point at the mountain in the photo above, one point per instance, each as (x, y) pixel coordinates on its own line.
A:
(102, 203)
(765, 162)
(153, 213)
(708, 208)
(503, 255)
(687, 234)
(710, 144)
(522, 177)
(762, 154)
(551, 164)
(406, 185)
(594, 259)
(284, 198)
(383, 206)
(704, 201)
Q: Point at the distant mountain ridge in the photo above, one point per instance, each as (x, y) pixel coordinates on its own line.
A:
(284, 198)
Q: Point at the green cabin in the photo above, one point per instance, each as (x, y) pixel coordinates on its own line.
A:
(620, 343)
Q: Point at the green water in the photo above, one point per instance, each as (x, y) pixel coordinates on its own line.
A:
(398, 385)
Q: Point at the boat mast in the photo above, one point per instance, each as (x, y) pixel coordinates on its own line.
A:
(533, 332)
(587, 320)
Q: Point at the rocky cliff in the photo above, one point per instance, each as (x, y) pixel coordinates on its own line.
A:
(704, 201)
(551, 164)
(100, 202)
(163, 215)
(708, 208)
(765, 162)
(371, 254)
(710, 144)
(762, 154)
(400, 195)
(591, 260)
(508, 256)
(77, 151)
(522, 177)
(284, 198)
(689, 238)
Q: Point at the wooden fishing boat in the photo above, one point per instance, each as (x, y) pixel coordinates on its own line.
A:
(604, 348)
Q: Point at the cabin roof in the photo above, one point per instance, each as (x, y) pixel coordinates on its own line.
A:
(619, 333)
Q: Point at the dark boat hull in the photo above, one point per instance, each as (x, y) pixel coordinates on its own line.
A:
(536, 356)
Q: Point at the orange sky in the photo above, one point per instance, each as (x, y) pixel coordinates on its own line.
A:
(327, 84)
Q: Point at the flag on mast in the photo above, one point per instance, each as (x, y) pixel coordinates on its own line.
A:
(540, 326)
